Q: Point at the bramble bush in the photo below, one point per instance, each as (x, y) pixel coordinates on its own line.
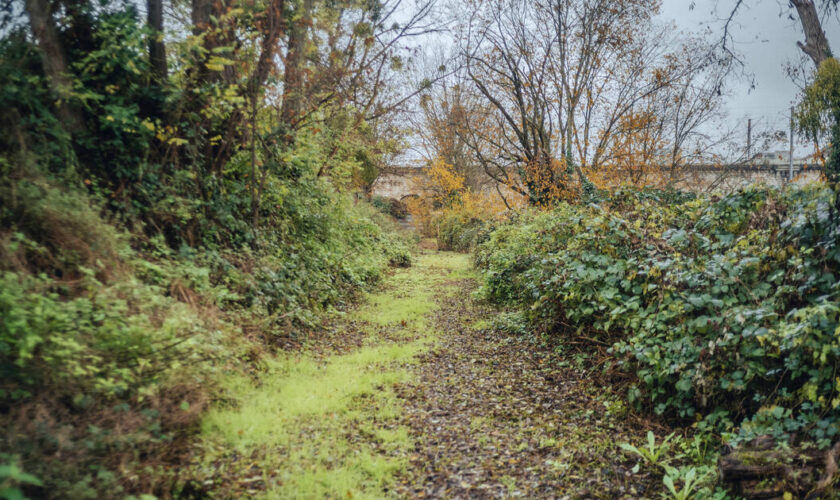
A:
(725, 308)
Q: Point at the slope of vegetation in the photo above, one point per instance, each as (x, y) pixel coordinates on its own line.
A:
(724, 309)
(154, 243)
(111, 341)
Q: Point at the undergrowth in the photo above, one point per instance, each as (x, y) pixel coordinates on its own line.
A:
(112, 342)
(724, 309)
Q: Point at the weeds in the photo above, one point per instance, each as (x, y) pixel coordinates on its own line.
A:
(655, 455)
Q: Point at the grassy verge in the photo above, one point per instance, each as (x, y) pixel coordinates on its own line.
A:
(315, 425)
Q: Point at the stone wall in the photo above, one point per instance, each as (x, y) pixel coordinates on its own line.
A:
(702, 179)
(397, 183)
(400, 182)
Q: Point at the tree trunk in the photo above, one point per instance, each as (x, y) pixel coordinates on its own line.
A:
(157, 49)
(54, 62)
(207, 18)
(293, 78)
(202, 10)
(816, 44)
(272, 28)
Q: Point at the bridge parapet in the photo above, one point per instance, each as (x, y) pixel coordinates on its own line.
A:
(399, 182)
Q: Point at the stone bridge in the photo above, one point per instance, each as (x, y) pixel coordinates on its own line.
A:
(398, 182)
(401, 182)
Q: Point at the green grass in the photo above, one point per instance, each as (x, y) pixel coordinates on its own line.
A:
(329, 427)
(409, 296)
(460, 266)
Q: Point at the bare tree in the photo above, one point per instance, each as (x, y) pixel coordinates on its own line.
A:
(816, 45)
(560, 79)
(506, 61)
(294, 82)
(445, 115)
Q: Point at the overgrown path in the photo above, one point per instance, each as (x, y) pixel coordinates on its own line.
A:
(414, 394)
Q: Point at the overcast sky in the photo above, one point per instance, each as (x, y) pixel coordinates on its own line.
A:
(766, 37)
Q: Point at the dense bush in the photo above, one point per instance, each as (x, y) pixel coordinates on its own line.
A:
(459, 229)
(726, 309)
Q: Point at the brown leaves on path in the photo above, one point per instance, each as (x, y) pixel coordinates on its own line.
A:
(500, 416)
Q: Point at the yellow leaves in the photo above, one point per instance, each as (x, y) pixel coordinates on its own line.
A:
(444, 192)
(634, 155)
(166, 135)
(443, 182)
(809, 391)
(217, 63)
(551, 180)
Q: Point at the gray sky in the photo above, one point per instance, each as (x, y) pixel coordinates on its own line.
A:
(766, 37)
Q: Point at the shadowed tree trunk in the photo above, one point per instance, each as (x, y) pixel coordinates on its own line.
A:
(157, 49)
(272, 29)
(54, 62)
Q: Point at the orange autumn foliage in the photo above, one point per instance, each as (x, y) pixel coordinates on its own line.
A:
(552, 181)
(634, 157)
(444, 195)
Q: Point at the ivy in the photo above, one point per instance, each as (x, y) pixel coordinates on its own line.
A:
(721, 307)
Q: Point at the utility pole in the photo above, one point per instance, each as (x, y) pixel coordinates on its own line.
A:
(749, 140)
(790, 157)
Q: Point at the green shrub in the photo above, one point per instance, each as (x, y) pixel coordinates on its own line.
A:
(724, 308)
(458, 231)
(390, 206)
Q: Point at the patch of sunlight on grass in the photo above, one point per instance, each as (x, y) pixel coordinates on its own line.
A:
(389, 310)
(409, 299)
(448, 261)
(397, 438)
(298, 422)
(458, 265)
